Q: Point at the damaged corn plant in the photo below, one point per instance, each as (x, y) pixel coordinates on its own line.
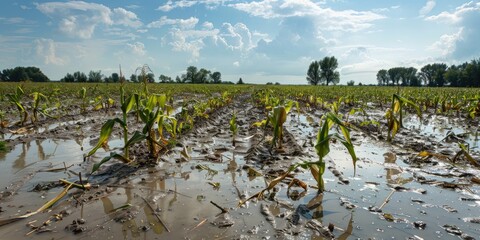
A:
(322, 148)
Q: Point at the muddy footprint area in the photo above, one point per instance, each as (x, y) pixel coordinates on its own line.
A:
(195, 189)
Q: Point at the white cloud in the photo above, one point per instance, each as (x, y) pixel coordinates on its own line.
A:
(207, 25)
(427, 8)
(188, 23)
(458, 15)
(236, 37)
(45, 48)
(236, 64)
(462, 44)
(325, 18)
(170, 5)
(190, 41)
(126, 18)
(137, 48)
(177, 4)
(80, 19)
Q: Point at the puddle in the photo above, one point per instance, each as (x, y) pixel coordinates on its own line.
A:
(184, 194)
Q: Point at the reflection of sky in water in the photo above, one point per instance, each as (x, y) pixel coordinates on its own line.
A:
(36, 155)
(437, 128)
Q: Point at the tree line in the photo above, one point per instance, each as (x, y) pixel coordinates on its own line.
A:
(192, 75)
(432, 75)
(19, 74)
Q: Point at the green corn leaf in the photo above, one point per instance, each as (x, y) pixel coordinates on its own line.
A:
(114, 155)
(105, 133)
(128, 104)
(136, 138)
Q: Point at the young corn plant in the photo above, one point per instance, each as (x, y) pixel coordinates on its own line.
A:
(37, 99)
(233, 127)
(127, 104)
(16, 99)
(276, 118)
(394, 115)
(82, 95)
(322, 147)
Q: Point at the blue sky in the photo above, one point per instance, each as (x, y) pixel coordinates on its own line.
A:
(260, 41)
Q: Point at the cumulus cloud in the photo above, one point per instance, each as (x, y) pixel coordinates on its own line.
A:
(236, 37)
(170, 5)
(326, 18)
(427, 8)
(137, 48)
(80, 19)
(188, 23)
(190, 41)
(45, 48)
(463, 43)
(298, 37)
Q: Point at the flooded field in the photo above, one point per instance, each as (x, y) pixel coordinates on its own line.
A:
(416, 187)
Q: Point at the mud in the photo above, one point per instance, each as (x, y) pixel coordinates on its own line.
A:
(194, 190)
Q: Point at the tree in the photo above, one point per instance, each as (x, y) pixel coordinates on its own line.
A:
(328, 73)
(150, 77)
(202, 76)
(178, 79)
(350, 83)
(190, 75)
(394, 75)
(240, 81)
(133, 78)
(382, 77)
(115, 78)
(313, 73)
(18, 74)
(79, 76)
(68, 78)
(433, 74)
(216, 77)
(165, 79)
(95, 76)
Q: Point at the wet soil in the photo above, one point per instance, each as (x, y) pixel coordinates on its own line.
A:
(394, 192)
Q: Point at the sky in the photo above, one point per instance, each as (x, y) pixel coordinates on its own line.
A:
(259, 41)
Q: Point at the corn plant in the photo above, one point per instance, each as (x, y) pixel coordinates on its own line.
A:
(82, 95)
(127, 104)
(276, 118)
(37, 99)
(394, 115)
(144, 70)
(322, 147)
(233, 127)
(16, 99)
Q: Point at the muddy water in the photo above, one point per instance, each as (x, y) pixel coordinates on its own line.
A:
(180, 193)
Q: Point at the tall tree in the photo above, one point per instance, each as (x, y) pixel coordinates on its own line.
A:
(202, 76)
(313, 73)
(150, 77)
(394, 75)
(328, 65)
(68, 78)
(190, 75)
(216, 77)
(115, 77)
(165, 79)
(240, 81)
(433, 74)
(95, 76)
(382, 77)
(79, 76)
(133, 78)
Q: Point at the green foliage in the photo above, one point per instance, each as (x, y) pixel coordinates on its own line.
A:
(3, 146)
(394, 115)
